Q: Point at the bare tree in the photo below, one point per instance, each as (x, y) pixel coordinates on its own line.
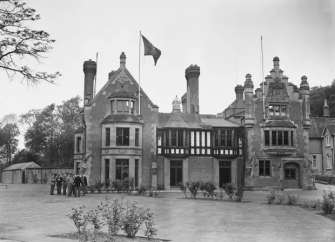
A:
(19, 44)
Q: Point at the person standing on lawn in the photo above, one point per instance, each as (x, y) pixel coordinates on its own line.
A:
(64, 183)
(70, 181)
(53, 182)
(59, 180)
(77, 183)
(84, 184)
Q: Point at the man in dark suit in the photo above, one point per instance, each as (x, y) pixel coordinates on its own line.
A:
(84, 184)
(77, 183)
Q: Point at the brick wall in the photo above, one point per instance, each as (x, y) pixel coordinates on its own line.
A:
(201, 168)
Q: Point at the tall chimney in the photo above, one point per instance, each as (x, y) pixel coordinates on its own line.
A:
(249, 102)
(122, 60)
(192, 74)
(276, 63)
(325, 109)
(304, 90)
(239, 92)
(176, 105)
(90, 69)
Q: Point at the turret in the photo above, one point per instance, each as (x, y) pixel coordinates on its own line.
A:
(90, 69)
(192, 74)
(304, 91)
(249, 102)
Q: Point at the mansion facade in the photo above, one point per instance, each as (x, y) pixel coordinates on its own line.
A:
(254, 143)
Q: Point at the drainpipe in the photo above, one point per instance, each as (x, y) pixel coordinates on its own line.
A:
(321, 156)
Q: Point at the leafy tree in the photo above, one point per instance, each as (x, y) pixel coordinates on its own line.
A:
(18, 43)
(26, 156)
(317, 99)
(8, 141)
(51, 135)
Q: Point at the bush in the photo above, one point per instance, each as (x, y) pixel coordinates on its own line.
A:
(314, 204)
(208, 189)
(281, 199)
(79, 219)
(271, 197)
(98, 185)
(193, 186)
(142, 190)
(328, 202)
(230, 190)
(113, 214)
(183, 187)
(117, 186)
(238, 194)
(291, 199)
(128, 184)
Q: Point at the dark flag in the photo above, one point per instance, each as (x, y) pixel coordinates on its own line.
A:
(149, 49)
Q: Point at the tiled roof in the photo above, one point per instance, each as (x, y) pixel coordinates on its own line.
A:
(318, 125)
(20, 166)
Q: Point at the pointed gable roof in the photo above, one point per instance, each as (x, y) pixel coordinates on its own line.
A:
(113, 77)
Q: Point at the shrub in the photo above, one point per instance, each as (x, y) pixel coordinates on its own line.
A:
(79, 219)
(314, 204)
(208, 189)
(238, 194)
(230, 190)
(291, 199)
(117, 186)
(112, 215)
(193, 186)
(183, 187)
(281, 199)
(128, 184)
(142, 190)
(328, 202)
(98, 185)
(221, 193)
(271, 197)
(93, 218)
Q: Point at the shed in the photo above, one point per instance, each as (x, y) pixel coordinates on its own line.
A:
(16, 174)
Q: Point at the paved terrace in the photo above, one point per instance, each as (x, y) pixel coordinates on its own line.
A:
(28, 213)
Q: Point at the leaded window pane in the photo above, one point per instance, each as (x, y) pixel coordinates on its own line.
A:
(223, 137)
(208, 151)
(267, 137)
(203, 139)
(280, 137)
(283, 111)
(285, 137)
(159, 138)
(159, 150)
(198, 138)
(274, 137)
(174, 138)
(229, 138)
(192, 138)
(203, 151)
(192, 151)
(208, 139)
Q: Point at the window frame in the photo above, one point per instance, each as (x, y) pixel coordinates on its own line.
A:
(137, 137)
(314, 161)
(327, 140)
(123, 135)
(329, 161)
(278, 138)
(122, 166)
(78, 144)
(278, 110)
(263, 166)
(294, 177)
(107, 137)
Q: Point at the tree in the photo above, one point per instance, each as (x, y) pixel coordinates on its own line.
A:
(318, 95)
(8, 142)
(25, 156)
(18, 43)
(51, 135)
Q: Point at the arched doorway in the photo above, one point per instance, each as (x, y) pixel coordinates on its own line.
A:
(291, 175)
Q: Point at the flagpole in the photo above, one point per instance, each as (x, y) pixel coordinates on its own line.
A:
(263, 94)
(96, 73)
(139, 77)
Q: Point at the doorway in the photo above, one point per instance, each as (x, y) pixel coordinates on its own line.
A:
(23, 177)
(176, 172)
(291, 175)
(224, 172)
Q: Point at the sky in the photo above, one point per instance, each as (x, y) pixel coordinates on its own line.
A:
(222, 37)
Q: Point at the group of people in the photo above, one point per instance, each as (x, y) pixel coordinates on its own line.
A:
(70, 183)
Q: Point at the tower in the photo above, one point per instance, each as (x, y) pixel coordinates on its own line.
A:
(192, 74)
(90, 69)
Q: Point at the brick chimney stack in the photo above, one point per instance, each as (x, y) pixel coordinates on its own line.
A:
(249, 102)
(239, 92)
(90, 69)
(325, 109)
(192, 74)
(304, 90)
(276, 63)
(122, 60)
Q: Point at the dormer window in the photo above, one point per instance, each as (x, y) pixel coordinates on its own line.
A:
(277, 110)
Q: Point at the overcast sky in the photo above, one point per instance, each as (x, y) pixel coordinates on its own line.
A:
(222, 37)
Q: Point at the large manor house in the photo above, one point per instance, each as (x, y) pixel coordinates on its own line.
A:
(259, 141)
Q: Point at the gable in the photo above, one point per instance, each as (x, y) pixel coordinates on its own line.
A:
(122, 74)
